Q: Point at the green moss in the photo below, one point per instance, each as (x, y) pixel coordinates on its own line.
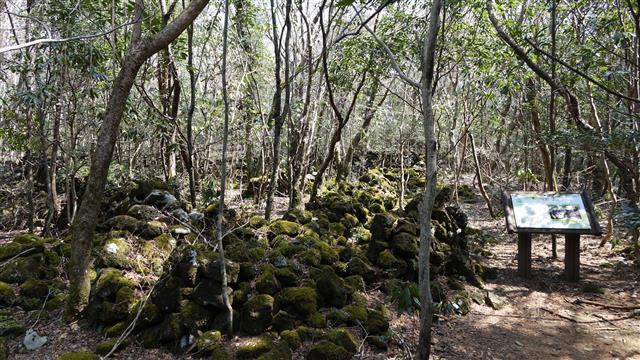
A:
(7, 295)
(287, 277)
(282, 320)
(267, 283)
(307, 333)
(19, 270)
(218, 353)
(123, 222)
(257, 221)
(291, 338)
(331, 288)
(405, 244)
(52, 258)
(284, 227)
(325, 350)
(79, 355)
(166, 294)
(377, 320)
(356, 282)
(357, 313)
(210, 267)
(301, 301)
(169, 330)
(379, 341)
(207, 341)
(110, 281)
(116, 330)
(257, 314)
(350, 221)
(328, 255)
(261, 346)
(391, 264)
(311, 257)
(14, 248)
(336, 229)
(358, 266)
(343, 338)
(104, 347)
(317, 320)
(55, 302)
(280, 352)
(193, 315)
(11, 327)
(298, 215)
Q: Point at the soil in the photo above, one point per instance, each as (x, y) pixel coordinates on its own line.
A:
(539, 318)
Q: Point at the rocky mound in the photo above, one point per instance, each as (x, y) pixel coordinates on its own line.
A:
(297, 279)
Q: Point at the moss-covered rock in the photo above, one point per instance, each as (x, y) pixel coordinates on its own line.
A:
(7, 295)
(317, 320)
(194, 316)
(115, 330)
(357, 313)
(11, 327)
(104, 347)
(211, 269)
(19, 270)
(169, 330)
(311, 257)
(35, 288)
(298, 215)
(380, 342)
(210, 293)
(299, 301)
(342, 337)
(284, 227)
(405, 244)
(291, 338)
(358, 266)
(146, 213)
(391, 264)
(149, 315)
(257, 314)
(116, 253)
(207, 342)
(79, 355)
(287, 277)
(326, 350)
(260, 346)
(166, 294)
(109, 282)
(122, 222)
(377, 320)
(278, 352)
(257, 222)
(17, 248)
(331, 288)
(152, 229)
(282, 320)
(267, 282)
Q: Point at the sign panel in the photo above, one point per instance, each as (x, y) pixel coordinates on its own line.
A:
(550, 211)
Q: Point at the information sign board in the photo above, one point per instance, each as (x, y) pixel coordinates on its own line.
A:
(549, 212)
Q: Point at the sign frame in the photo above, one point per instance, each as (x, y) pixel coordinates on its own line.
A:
(572, 236)
(512, 227)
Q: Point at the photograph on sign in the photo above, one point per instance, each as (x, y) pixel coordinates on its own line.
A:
(550, 211)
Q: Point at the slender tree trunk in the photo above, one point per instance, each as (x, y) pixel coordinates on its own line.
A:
(486, 198)
(426, 207)
(84, 224)
(192, 108)
(223, 171)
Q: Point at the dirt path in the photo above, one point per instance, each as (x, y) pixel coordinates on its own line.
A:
(539, 319)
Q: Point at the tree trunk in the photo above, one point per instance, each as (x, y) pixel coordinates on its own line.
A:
(84, 224)
(223, 173)
(426, 207)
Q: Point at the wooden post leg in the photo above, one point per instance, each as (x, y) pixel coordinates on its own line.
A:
(524, 254)
(572, 257)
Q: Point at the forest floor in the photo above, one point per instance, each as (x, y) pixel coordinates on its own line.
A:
(539, 318)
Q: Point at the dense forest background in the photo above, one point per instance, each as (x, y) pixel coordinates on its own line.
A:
(284, 107)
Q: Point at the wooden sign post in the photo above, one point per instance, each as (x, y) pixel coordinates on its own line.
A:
(568, 214)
